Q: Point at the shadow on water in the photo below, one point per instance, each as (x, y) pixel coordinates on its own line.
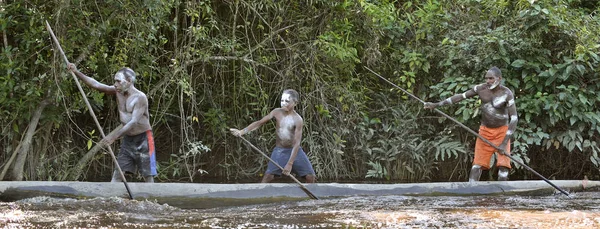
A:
(550, 211)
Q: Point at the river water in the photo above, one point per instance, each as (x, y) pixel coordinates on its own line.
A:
(581, 210)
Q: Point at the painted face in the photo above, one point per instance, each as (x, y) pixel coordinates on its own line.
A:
(491, 80)
(121, 83)
(286, 100)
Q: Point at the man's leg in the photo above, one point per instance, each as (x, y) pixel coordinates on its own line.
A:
(267, 178)
(302, 167)
(475, 173)
(502, 173)
(149, 179)
(127, 165)
(116, 177)
(483, 154)
(503, 163)
(310, 179)
(125, 159)
(146, 157)
(280, 157)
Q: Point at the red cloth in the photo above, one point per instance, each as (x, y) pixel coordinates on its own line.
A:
(484, 152)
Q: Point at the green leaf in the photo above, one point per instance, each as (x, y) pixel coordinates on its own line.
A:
(426, 67)
(409, 169)
(518, 63)
(595, 56)
(445, 41)
(571, 146)
(550, 79)
(583, 99)
(568, 71)
(580, 69)
(89, 144)
(573, 119)
(586, 143)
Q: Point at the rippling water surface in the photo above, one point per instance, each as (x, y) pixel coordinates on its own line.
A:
(582, 210)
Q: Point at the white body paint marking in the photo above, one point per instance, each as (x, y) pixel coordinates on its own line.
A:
(503, 173)
(496, 83)
(449, 100)
(122, 86)
(511, 103)
(286, 128)
(489, 108)
(498, 100)
(285, 99)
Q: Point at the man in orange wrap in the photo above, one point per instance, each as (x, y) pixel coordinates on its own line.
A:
(498, 122)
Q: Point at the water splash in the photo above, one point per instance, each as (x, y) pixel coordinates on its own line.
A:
(579, 211)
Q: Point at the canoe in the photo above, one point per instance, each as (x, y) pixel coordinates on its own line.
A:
(204, 195)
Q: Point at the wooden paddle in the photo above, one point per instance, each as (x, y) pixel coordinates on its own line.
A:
(112, 155)
(310, 194)
(473, 132)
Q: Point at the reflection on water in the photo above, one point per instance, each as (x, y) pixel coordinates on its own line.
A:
(580, 211)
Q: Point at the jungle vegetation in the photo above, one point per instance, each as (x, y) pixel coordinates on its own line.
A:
(208, 65)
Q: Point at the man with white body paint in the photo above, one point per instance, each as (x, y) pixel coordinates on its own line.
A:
(137, 147)
(287, 152)
(498, 123)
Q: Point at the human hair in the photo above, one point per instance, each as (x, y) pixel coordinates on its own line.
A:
(496, 71)
(128, 73)
(293, 94)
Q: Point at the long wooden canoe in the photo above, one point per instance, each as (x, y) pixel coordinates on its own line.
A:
(204, 195)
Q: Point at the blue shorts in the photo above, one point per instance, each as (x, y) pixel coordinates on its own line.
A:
(301, 166)
(137, 154)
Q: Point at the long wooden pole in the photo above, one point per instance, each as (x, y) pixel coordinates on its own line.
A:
(310, 194)
(112, 155)
(472, 132)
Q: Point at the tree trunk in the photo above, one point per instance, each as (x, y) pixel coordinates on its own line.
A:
(10, 161)
(17, 172)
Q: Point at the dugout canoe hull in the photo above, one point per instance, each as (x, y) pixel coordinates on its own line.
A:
(203, 195)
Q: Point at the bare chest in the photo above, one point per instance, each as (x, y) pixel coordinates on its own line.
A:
(496, 99)
(126, 104)
(287, 123)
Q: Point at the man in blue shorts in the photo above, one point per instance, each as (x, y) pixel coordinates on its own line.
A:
(137, 146)
(288, 137)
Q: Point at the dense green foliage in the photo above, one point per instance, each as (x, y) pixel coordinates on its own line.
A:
(210, 65)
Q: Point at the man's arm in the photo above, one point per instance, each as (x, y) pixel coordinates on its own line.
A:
(453, 99)
(512, 114)
(296, 146)
(90, 81)
(253, 125)
(139, 108)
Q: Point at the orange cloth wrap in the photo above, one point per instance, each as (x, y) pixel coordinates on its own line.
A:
(483, 151)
